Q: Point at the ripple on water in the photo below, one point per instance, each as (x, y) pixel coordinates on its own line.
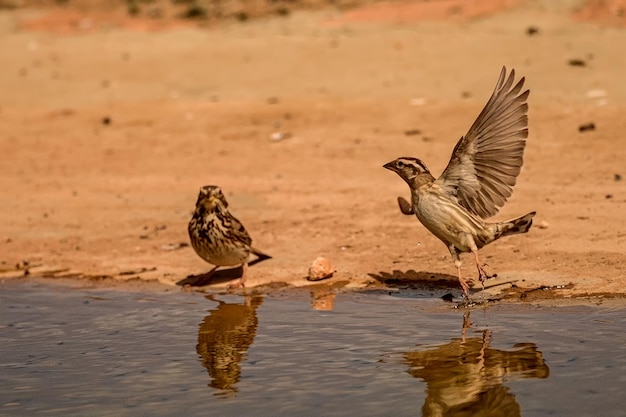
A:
(97, 352)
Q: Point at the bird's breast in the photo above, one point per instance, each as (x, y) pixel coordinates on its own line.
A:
(444, 218)
(215, 241)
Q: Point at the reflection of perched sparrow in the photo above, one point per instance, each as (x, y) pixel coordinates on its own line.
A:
(216, 235)
(478, 179)
(224, 338)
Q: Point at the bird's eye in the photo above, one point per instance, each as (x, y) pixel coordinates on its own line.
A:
(399, 164)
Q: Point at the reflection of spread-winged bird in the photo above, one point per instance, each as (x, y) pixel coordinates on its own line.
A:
(477, 181)
(223, 339)
(465, 377)
(217, 236)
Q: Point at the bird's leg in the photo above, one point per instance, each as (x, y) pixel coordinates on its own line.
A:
(241, 282)
(462, 281)
(482, 274)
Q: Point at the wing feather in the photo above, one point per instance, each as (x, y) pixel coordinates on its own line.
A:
(486, 161)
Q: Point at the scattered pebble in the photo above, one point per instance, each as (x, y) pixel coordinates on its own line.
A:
(106, 120)
(543, 224)
(576, 62)
(278, 136)
(617, 177)
(320, 268)
(174, 246)
(532, 30)
(587, 127)
(412, 132)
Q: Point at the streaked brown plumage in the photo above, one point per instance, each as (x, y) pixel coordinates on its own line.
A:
(478, 180)
(217, 236)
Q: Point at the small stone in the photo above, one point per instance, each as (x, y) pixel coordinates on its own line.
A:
(587, 127)
(576, 62)
(617, 177)
(320, 269)
(532, 30)
(174, 246)
(278, 136)
(543, 224)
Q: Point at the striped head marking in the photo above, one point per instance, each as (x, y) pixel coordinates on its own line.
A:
(408, 168)
(211, 198)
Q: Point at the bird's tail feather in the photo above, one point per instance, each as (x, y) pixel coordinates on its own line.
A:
(512, 227)
(261, 256)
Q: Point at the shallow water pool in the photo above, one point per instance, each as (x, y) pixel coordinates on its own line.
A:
(98, 352)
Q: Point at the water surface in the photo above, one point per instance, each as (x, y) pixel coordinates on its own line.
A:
(98, 352)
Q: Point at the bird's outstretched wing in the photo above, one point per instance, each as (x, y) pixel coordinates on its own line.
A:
(486, 161)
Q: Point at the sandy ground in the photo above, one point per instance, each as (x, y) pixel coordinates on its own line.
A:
(108, 131)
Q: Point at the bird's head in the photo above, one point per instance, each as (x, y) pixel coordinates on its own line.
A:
(411, 170)
(211, 198)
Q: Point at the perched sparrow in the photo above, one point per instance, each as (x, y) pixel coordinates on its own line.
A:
(477, 181)
(217, 236)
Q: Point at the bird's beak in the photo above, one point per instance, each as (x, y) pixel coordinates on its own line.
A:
(390, 166)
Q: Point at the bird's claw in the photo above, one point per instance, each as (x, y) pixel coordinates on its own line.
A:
(236, 286)
(482, 273)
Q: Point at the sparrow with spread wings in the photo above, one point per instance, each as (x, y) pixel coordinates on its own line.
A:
(478, 180)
